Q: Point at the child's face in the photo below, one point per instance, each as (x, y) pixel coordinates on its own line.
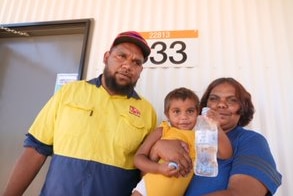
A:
(182, 114)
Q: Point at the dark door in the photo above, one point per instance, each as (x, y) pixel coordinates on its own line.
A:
(28, 69)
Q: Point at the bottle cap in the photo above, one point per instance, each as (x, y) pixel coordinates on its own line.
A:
(204, 111)
(173, 165)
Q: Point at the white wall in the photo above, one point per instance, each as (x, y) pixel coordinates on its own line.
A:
(250, 40)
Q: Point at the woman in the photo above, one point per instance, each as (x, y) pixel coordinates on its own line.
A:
(252, 169)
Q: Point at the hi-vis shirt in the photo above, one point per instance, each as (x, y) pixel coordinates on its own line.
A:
(92, 137)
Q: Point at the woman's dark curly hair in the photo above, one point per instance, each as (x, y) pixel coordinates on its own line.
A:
(246, 110)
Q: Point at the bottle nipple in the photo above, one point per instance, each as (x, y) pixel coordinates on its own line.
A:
(204, 111)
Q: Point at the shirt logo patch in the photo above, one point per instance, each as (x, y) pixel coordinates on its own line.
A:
(133, 110)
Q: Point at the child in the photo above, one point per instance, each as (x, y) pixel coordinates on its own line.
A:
(162, 178)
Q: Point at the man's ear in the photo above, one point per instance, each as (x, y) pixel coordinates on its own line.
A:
(106, 56)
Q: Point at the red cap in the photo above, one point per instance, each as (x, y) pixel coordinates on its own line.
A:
(135, 38)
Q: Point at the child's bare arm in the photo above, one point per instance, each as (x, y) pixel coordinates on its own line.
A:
(142, 159)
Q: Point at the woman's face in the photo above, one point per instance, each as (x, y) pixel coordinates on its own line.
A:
(223, 100)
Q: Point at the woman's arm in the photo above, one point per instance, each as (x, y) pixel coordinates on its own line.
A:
(225, 150)
(242, 185)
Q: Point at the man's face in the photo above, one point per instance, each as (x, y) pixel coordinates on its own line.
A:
(123, 65)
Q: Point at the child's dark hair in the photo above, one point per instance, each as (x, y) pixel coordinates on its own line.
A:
(180, 93)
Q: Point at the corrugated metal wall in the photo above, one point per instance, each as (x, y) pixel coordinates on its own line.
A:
(250, 40)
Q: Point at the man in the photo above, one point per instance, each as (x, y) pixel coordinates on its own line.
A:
(92, 130)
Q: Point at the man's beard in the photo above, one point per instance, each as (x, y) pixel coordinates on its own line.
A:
(112, 84)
